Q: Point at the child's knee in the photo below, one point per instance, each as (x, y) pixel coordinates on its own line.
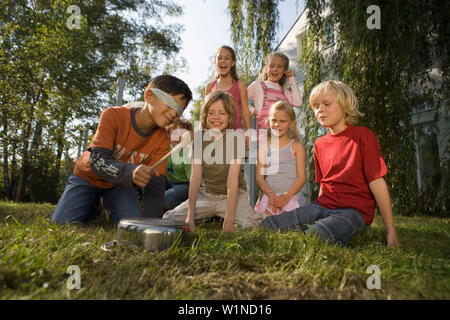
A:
(322, 231)
(269, 224)
(57, 219)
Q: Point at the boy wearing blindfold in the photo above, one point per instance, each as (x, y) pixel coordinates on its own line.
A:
(128, 141)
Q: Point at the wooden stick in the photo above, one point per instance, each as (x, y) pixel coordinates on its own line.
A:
(185, 138)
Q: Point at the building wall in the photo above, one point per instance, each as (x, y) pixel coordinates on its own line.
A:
(428, 131)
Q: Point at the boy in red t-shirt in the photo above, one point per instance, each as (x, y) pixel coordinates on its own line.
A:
(350, 170)
(128, 141)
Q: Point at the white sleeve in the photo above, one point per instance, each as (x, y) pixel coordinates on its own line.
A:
(255, 93)
(294, 96)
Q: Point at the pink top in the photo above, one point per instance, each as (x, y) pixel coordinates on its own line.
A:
(271, 96)
(234, 91)
(255, 92)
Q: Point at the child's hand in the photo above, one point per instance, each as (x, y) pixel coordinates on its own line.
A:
(392, 240)
(142, 175)
(191, 223)
(282, 200)
(272, 202)
(228, 225)
(289, 73)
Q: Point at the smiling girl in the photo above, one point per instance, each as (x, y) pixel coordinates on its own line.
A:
(224, 188)
(227, 80)
(270, 88)
(281, 167)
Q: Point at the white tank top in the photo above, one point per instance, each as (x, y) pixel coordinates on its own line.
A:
(281, 174)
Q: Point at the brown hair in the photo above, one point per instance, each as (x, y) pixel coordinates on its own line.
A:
(264, 75)
(182, 123)
(344, 96)
(228, 104)
(234, 74)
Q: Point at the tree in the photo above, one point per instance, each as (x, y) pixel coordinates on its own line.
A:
(200, 90)
(254, 24)
(387, 68)
(55, 69)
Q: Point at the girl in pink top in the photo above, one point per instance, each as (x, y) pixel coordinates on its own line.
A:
(270, 88)
(227, 80)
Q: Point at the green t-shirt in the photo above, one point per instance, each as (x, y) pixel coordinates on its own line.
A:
(215, 168)
(179, 171)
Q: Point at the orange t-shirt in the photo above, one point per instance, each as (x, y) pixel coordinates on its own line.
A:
(117, 131)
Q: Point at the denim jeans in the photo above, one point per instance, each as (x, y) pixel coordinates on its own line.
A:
(175, 194)
(332, 226)
(78, 202)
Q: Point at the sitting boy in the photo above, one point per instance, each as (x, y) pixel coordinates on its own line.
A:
(128, 141)
(350, 170)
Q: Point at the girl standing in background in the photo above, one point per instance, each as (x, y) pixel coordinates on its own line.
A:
(227, 80)
(270, 88)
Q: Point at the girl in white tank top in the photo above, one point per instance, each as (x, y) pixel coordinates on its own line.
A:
(281, 168)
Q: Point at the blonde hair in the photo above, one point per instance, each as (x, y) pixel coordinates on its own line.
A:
(285, 59)
(228, 104)
(233, 70)
(286, 108)
(344, 96)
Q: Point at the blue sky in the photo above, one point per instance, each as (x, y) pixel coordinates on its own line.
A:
(207, 27)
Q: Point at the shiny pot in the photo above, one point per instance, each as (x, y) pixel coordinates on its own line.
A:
(151, 233)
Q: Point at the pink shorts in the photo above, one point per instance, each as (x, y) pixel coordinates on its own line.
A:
(263, 205)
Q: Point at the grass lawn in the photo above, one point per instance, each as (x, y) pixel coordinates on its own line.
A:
(208, 264)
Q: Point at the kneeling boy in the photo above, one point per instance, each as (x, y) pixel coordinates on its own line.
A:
(128, 141)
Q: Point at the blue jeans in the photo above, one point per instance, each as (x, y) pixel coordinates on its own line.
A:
(332, 226)
(175, 194)
(78, 202)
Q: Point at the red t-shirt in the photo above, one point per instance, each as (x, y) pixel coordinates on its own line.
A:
(117, 131)
(345, 165)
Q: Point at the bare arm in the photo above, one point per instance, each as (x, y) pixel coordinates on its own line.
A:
(244, 104)
(380, 191)
(194, 187)
(208, 89)
(300, 157)
(232, 192)
(261, 179)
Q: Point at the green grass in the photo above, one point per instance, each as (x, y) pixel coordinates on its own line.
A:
(208, 264)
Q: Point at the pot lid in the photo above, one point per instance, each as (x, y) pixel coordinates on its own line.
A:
(144, 222)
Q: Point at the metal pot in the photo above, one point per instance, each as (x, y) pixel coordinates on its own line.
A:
(151, 233)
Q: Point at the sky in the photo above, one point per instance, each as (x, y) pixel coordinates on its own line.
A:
(207, 27)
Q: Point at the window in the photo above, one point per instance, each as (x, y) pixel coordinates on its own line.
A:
(421, 107)
(300, 43)
(329, 33)
(428, 155)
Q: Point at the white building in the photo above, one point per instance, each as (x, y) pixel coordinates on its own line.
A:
(432, 137)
